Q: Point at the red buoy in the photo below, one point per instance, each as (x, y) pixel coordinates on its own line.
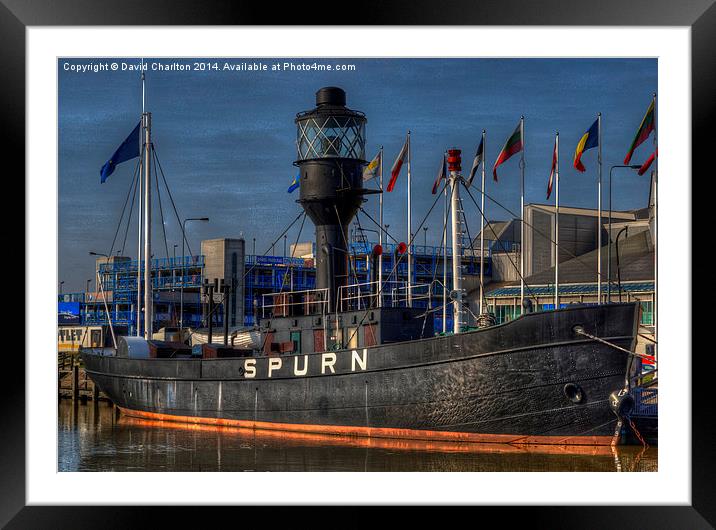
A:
(377, 250)
(402, 248)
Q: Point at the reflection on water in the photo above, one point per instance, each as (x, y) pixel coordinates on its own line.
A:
(93, 438)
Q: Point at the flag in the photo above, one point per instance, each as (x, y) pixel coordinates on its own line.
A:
(479, 159)
(371, 170)
(295, 184)
(588, 140)
(512, 145)
(441, 175)
(397, 165)
(128, 150)
(645, 128)
(554, 168)
(645, 166)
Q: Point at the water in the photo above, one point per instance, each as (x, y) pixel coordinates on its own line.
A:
(92, 438)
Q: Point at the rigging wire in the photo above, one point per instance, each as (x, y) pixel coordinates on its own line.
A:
(161, 211)
(397, 261)
(176, 213)
(517, 217)
(444, 256)
(124, 208)
(499, 241)
(129, 216)
(290, 265)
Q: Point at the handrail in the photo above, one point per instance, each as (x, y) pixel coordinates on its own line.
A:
(288, 297)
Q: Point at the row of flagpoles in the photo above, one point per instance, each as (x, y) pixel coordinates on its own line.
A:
(514, 144)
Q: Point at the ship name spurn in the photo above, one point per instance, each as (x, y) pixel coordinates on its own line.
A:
(300, 365)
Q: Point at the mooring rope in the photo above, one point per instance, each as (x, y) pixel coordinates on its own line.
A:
(580, 331)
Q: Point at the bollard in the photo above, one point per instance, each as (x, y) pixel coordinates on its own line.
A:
(95, 392)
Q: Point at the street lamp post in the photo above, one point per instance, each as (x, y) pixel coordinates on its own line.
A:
(183, 264)
(284, 245)
(425, 236)
(609, 249)
(61, 284)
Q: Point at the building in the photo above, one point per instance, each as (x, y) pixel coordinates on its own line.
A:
(178, 283)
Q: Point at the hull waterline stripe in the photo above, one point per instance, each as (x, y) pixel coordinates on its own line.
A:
(378, 432)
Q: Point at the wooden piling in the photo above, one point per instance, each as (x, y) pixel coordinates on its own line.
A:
(75, 381)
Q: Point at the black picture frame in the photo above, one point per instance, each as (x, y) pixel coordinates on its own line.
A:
(699, 15)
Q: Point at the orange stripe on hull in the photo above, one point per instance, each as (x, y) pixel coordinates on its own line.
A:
(378, 432)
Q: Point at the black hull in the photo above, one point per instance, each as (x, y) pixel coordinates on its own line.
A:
(505, 383)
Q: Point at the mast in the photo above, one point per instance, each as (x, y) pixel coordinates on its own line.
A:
(656, 254)
(482, 226)
(410, 236)
(599, 213)
(556, 224)
(454, 169)
(379, 290)
(444, 250)
(139, 232)
(522, 214)
(147, 119)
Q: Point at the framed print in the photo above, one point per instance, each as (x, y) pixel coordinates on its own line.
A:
(390, 258)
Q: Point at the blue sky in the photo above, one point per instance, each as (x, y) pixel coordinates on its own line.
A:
(226, 140)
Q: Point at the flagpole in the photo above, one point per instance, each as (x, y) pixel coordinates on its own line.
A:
(380, 234)
(444, 250)
(556, 226)
(599, 213)
(410, 236)
(656, 254)
(522, 214)
(482, 227)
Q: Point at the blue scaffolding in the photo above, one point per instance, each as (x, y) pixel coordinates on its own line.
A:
(264, 275)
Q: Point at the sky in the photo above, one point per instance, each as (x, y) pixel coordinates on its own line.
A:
(226, 141)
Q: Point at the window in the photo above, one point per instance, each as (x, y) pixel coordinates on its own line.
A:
(647, 313)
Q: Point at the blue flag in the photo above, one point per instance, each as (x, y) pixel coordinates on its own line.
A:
(128, 150)
(295, 184)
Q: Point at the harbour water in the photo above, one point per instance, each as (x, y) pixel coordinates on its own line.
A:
(92, 437)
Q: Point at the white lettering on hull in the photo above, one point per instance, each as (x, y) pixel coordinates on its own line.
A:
(250, 368)
(303, 370)
(275, 363)
(359, 362)
(327, 361)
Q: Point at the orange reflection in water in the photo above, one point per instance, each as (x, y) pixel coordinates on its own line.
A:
(396, 444)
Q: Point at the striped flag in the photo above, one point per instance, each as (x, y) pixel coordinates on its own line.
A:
(588, 140)
(441, 176)
(645, 166)
(554, 167)
(397, 165)
(512, 145)
(645, 128)
(371, 170)
(479, 159)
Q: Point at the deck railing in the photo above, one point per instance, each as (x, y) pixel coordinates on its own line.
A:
(295, 303)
